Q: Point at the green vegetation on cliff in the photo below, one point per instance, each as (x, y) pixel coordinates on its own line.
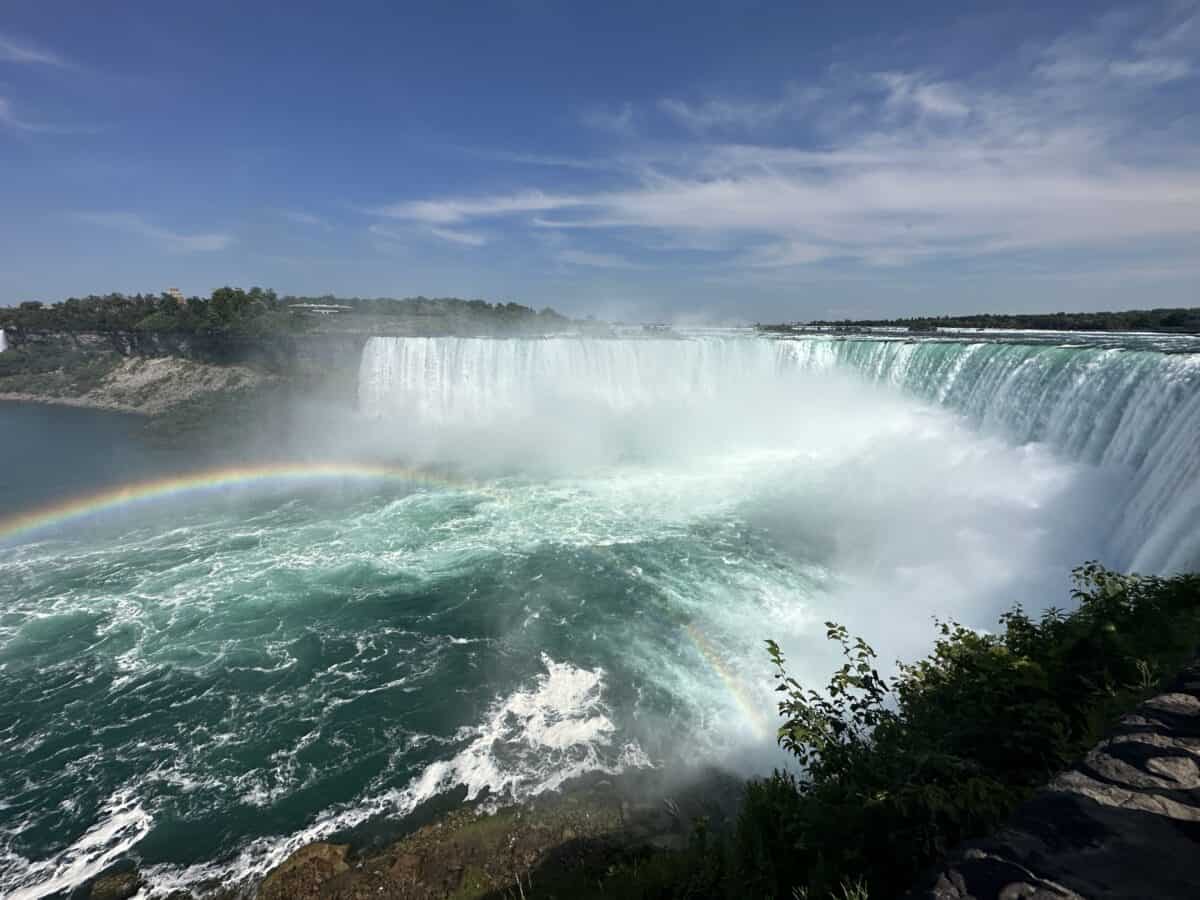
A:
(259, 312)
(227, 310)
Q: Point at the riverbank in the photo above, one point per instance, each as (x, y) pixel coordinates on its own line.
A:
(582, 841)
(138, 385)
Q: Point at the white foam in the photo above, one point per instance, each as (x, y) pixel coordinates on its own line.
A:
(530, 742)
(122, 824)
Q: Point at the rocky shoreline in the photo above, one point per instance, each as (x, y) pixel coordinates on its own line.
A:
(1118, 824)
(564, 844)
(145, 386)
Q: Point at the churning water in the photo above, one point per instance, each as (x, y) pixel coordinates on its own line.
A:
(223, 671)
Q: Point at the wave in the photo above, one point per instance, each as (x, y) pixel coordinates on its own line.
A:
(530, 742)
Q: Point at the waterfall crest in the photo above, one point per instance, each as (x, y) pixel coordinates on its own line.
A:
(456, 379)
(1134, 410)
(1137, 410)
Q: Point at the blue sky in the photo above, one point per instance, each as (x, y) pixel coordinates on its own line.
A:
(723, 161)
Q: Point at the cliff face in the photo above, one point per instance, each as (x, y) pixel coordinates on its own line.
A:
(1125, 822)
(153, 373)
(145, 385)
(307, 353)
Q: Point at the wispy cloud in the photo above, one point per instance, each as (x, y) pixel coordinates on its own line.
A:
(907, 90)
(618, 120)
(453, 210)
(1121, 46)
(926, 167)
(715, 114)
(13, 50)
(1153, 71)
(132, 223)
(10, 119)
(596, 260)
(299, 217)
(467, 238)
(421, 230)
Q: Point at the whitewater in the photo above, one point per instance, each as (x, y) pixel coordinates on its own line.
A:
(208, 682)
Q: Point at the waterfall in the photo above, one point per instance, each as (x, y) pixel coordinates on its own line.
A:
(3, 341)
(460, 379)
(1133, 410)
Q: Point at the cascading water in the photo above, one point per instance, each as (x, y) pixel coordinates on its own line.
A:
(457, 379)
(3, 341)
(608, 531)
(1135, 410)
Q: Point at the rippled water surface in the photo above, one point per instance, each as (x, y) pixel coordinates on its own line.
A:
(207, 680)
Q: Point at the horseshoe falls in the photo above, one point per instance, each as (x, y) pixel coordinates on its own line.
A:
(1127, 410)
(604, 533)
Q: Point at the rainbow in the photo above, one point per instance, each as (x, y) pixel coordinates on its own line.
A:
(178, 485)
(733, 684)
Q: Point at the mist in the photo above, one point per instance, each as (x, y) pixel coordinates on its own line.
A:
(572, 570)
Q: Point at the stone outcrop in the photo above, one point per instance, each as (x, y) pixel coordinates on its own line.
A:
(303, 873)
(154, 373)
(147, 386)
(285, 353)
(1123, 823)
(116, 886)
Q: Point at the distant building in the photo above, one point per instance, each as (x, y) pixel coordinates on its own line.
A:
(175, 294)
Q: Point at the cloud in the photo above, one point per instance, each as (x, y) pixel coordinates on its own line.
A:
(618, 120)
(11, 120)
(300, 217)
(388, 233)
(1089, 148)
(15, 51)
(1119, 48)
(454, 210)
(748, 115)
(1154, 71)
(132, 223)
(933, 98)
(596, 260)
(452, 235)
(467, 238)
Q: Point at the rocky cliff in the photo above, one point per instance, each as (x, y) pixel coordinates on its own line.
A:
(154, 373)
(1123, 823)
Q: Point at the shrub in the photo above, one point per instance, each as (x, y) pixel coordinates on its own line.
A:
(899, 771)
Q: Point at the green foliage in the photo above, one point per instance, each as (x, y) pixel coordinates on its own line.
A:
(898, 771)
(901, 770)
(258, 312)
(55, 370)
(231, 310)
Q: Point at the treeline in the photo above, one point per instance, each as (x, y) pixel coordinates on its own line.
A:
(1167, 320)
(261, 311)
(226, 310)
(432, 306)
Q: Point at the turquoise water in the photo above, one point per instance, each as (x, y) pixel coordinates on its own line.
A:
(205, 683)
